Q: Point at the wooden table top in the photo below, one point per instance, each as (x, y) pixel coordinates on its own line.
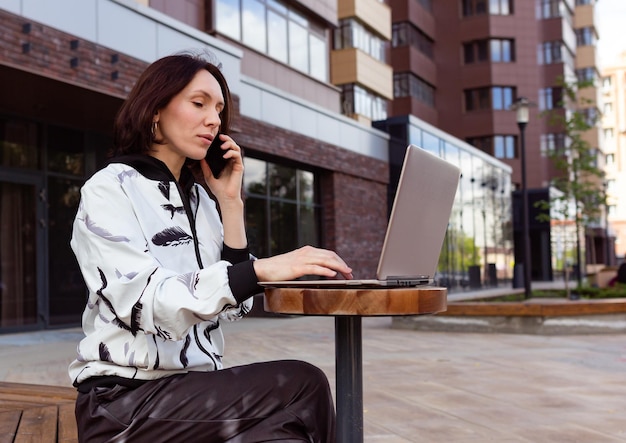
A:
(363, 302)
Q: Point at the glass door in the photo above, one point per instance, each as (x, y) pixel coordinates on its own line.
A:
(22, 272)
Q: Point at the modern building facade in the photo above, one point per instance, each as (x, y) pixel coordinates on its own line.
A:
(462, 65)
(614, 146)
(317, 171)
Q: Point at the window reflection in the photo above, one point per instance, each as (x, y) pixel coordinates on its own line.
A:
(293, 39)
(253, 18)
(319, 64)
(298, 47)
(227, 18)
(282, 212)
(277, 43)
(19, 144)
(65, 151)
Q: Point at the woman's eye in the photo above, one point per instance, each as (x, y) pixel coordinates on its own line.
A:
(197, 104)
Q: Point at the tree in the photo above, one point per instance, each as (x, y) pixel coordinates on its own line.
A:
(579, 181)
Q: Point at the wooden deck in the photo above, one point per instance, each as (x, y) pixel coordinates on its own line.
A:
(37, 413)
(544, 316)
(538, 307)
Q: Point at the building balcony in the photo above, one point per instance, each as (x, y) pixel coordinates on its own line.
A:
(374, 14)
(584, 17)
(586, 56)
(351, 65)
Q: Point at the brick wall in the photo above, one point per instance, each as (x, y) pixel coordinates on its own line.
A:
(32, 47)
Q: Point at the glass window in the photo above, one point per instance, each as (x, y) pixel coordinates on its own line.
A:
(550, 8)
(66, 151)
(356, 99)
(409, 85)
(586, 75)
(66, 285)
(478, 7)
(496, 50)
(468, 53)
(353, 34)
(227, 18)
(552, 52)
(282, 212)
(279, 7)
(406, 33)
(501, 50)
(318, 58)
(255, 177)
(306, 191)
(19, 144)
(18, 254)
(550, 98)
(500, 7)
(282, 181)
(253, 25)
(585, 37)
(504, 146)
(610, 159)
(269, 26)
(497, 98)
(431, 142)
(482, 53)
(257, 228)
(298, 47)
(283, 219)
(277, 41)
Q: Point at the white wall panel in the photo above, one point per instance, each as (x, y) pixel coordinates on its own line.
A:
(120, 27)
(76, 17)
(270, 105)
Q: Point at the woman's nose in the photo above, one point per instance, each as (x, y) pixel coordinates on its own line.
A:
(212, 118)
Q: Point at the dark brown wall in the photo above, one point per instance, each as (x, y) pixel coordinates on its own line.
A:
(452, 77)
(191, 12)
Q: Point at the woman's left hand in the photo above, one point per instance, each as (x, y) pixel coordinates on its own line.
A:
(228, 186)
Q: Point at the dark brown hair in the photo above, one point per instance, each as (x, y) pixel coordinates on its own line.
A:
(157, 85)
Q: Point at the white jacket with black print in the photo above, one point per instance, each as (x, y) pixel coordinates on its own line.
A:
(159, 277)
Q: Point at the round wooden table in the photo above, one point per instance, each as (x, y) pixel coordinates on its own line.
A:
(348, 306)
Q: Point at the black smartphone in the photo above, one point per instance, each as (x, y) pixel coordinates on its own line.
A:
(215, 157)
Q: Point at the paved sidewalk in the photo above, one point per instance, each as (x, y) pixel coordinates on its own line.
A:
(420, 386)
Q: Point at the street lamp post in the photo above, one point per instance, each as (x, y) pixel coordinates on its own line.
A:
(522, 113)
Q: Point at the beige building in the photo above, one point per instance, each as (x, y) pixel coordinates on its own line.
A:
(614, 146)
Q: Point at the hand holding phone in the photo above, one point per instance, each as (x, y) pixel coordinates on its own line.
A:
(215, 156)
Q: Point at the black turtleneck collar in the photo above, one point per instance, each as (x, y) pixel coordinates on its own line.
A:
(154, 169)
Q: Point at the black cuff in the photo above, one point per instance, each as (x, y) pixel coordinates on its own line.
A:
(243, 280)
(235, 256)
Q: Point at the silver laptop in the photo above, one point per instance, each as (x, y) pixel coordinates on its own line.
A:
(417, 226)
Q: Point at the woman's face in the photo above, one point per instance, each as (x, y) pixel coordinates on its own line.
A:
(188, 123)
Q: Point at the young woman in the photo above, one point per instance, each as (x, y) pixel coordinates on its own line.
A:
(163, 267)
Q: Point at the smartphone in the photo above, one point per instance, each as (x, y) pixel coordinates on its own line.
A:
(215, 157)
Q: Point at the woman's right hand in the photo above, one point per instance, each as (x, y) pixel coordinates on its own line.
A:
(300, 262)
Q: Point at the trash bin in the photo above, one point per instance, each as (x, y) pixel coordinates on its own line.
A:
(518, 275)
(493, 274)
(474, 276)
